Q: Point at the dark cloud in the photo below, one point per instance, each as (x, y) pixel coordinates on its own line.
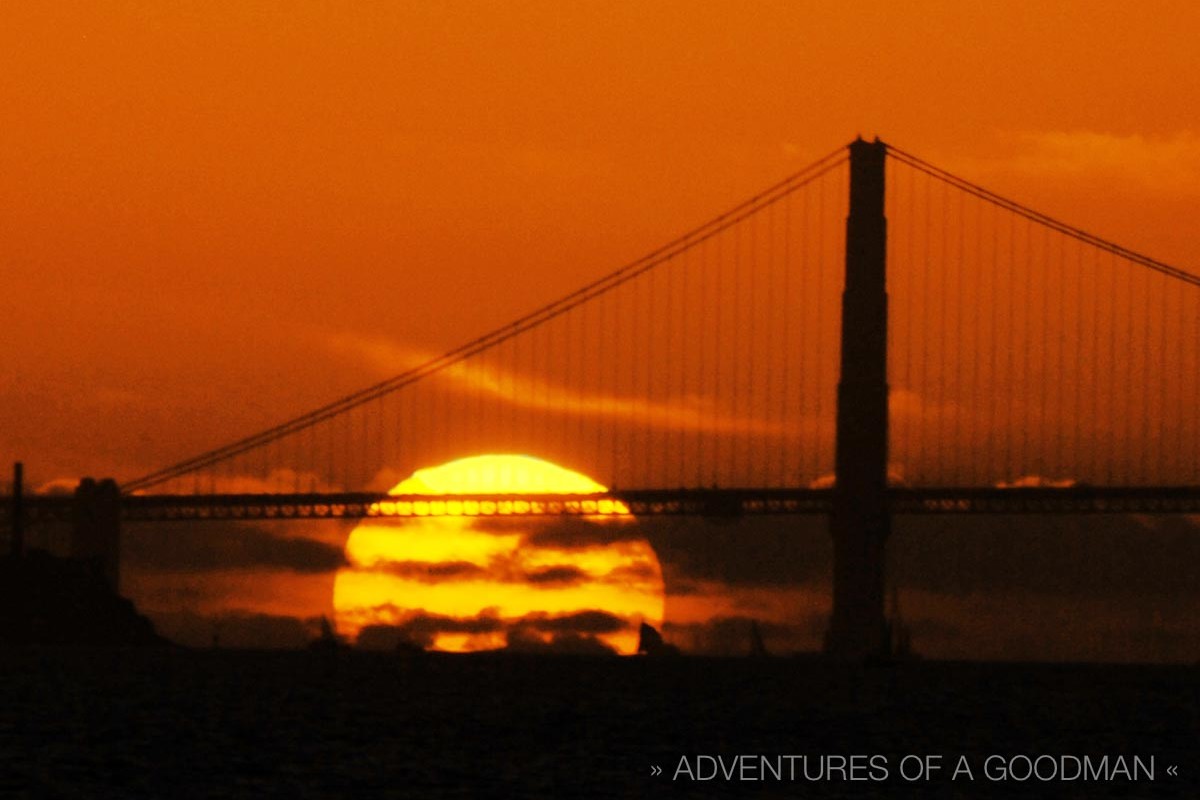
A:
(506, 526)
(389, 637)
(237, 629)
(421, 628)
(1095, 555)
(563, 533)
(582, 622)
(433, 572)
(751, 551)
(929, 629)
(575, 533)
(638, 572)
(176, 592)
(1068, 556)
(214, 548)
(556, 576)
(503, 569)
(520, 641)
(731, 635)
(682, 587)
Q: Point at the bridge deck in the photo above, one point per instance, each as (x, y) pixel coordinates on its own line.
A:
(656, 502)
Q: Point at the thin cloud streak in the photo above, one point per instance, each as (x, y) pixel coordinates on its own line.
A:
(691, 414)
(1166, 163)
(1159, 164)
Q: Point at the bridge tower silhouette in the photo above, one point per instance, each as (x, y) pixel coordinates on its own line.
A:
(861, 521)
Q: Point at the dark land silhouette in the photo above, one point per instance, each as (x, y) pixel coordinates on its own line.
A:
(47, 600)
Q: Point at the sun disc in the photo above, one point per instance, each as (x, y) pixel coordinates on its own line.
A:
(460, 583)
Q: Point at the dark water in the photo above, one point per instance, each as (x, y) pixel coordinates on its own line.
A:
(142, 723)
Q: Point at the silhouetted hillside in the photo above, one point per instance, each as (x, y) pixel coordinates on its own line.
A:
(49, 600)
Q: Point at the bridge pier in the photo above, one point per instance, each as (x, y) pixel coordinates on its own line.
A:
(96, 527)
(860, 522)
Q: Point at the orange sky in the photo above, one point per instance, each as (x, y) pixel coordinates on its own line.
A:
(201, 208)
(195, 202)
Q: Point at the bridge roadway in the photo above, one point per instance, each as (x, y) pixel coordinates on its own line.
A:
(653, 502)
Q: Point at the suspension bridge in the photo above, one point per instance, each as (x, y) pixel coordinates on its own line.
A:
(872, 336)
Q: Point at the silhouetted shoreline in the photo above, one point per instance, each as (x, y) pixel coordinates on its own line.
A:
(47, 600)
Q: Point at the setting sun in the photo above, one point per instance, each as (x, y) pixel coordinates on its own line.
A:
(464, 584)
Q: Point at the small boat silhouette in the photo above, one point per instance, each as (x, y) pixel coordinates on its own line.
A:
(899, 638)
(328, 641)
(758, 648)
(650, 643)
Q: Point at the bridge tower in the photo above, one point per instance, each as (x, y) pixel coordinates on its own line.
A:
(96, 527)
(860, 522)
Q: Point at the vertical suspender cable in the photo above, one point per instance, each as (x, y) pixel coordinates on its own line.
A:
(1079, 457)
(737, 334)
(1151, 385)
(1129, 412)
(963, 400)
(819, 338)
